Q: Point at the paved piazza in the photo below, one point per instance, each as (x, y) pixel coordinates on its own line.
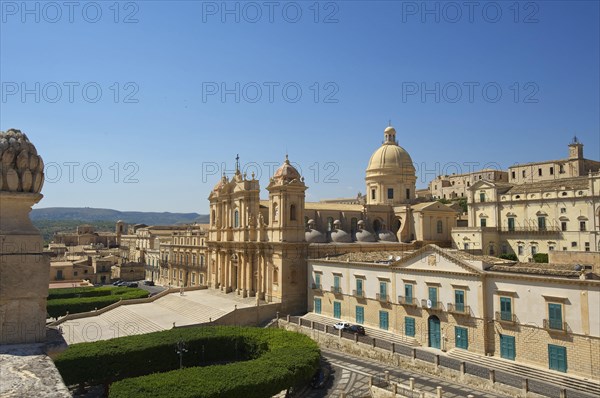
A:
(193, 307)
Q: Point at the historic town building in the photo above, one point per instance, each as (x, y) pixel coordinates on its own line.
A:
(542, 314)
(545, 207)
(456, 186)
(260, 247)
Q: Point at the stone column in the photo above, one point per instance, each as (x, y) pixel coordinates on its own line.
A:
(248, 275)
(24, 269)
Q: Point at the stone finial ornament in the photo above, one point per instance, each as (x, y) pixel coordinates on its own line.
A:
(21, 168)
(24, 268)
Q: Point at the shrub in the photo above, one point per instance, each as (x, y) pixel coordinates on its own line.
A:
(540, 257)
(509, 256)
(84, 292)
(87, 300)
(274, 360)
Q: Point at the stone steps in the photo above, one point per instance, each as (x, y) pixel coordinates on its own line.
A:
(189, 309)
(549, 376)
(126, 322)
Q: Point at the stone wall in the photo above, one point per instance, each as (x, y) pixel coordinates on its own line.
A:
(387, 357)
(567, 257)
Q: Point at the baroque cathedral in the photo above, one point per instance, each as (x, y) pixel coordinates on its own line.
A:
(260, 247)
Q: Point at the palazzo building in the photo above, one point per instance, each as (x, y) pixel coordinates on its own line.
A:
(545, 206)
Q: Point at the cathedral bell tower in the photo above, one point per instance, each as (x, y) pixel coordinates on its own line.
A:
(286, 204)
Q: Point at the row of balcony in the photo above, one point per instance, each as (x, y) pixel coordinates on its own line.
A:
(405, 301)
(556, 325)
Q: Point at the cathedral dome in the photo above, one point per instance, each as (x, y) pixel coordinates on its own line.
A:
(315, 236)
(390, 158)
(387, 236)
(286, 172)
(340, 236)
(365, 236)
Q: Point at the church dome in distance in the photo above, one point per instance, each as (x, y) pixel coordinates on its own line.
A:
(315, 236)
(365, 236)
(340, 236)
(387, 236)
(286, 172)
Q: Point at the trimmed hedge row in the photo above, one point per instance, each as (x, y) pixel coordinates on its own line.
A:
(60, 306)
(274, 360)
(72, 292)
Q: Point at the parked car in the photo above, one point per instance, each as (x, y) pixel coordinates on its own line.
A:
(116, 283)
(356, 329)
(122, 283)
(341, 325)
(132, 284)
(149, 283)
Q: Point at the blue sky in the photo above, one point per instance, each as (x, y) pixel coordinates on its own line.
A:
(140, 106)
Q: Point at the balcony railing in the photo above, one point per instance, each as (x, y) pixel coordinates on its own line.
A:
(548, 229)
(555, 324)
(316, 286)
(505, 316)
(336, 290)
(459, 309)
(383, 298)
(407, 301)
(358, 293)
(432, 305)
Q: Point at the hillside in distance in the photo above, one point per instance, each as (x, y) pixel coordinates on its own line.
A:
(90, 215)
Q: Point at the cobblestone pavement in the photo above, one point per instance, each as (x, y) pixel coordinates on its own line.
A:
(351, 375)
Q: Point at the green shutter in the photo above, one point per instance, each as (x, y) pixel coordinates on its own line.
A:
(557, 358)
(337, 309)
(506, 308)
(461, 337)
(360, 314)
(433, 295)
(383, 289)
(507, 347)
(459, 300)
(408, 293)
(555, 315)
(317, 305)
(383, 320)
(409, 326)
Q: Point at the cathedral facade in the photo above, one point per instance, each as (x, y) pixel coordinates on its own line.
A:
(260, 247)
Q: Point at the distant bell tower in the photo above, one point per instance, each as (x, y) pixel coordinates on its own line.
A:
(575, 149)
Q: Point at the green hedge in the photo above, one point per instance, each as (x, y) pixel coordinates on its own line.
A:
(274, 360)
(85, 292)
(540, 257)
(91, 299)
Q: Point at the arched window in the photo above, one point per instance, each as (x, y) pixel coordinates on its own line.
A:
(213, 217)
(275, 212)
(275, 276)
(329, 224)
(236, 218)
(440, 227)
(293, 213)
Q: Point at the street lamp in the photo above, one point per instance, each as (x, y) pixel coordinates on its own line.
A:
(180, 351)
